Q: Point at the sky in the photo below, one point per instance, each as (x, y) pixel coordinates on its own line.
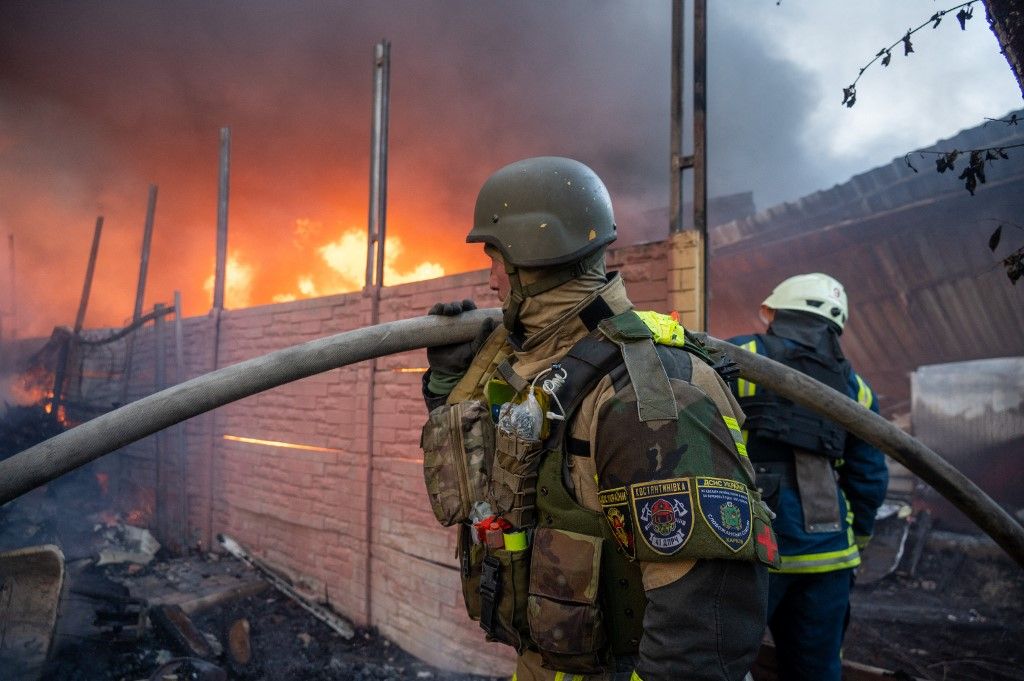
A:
(100, 99)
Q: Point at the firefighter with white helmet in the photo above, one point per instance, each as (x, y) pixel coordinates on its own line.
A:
(824, 484)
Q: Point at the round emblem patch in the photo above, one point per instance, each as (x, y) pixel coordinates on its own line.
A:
(664, 512)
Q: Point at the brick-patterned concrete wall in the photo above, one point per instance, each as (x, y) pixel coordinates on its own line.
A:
(386, 562)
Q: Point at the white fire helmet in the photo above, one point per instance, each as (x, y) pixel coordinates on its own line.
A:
(817, 293)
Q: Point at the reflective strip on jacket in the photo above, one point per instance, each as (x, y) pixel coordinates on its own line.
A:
(862, 481)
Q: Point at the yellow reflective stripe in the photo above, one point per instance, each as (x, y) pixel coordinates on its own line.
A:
(666, 331)
(850, 539)
(744, 387)
(635, 677)
(737, 434)
(821, 562)
(864, 394)
(559, 676)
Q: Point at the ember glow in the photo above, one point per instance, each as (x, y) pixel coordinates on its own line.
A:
(277, 443)
(32, 387)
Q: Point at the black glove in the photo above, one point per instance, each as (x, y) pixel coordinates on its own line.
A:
(448, 363)
(454, 359)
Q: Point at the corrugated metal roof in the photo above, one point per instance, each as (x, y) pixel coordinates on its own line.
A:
(911, 250)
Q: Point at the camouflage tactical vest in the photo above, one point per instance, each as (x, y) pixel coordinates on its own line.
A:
(576, 594)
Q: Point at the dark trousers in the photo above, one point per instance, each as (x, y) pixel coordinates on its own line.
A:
(807, 615)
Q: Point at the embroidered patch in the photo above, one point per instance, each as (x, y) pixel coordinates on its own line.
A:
(616, 509)
(766, 546)
(725, 505)
(664, 514)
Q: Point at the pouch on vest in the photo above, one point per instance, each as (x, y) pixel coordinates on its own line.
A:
(457, 443)
(513, 486)
(769, 481)
(495, 585)
(816, 481)
(565, 618)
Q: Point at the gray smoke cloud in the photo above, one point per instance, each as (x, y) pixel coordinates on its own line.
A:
(97, 99)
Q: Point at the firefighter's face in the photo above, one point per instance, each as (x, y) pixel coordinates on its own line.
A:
(498, 280)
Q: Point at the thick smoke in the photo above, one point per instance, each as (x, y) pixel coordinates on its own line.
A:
(99, 99)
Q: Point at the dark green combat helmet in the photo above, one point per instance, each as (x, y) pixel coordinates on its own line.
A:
(549, 213)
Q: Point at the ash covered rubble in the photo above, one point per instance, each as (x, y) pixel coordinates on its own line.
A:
(125, 610)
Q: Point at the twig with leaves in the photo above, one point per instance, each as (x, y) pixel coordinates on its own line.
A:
(965, 13)
(1014, 262)
(975, 170)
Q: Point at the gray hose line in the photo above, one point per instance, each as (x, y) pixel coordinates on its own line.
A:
(78, 446)
(48, 460)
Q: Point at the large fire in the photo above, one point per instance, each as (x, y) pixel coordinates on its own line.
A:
(335, 266)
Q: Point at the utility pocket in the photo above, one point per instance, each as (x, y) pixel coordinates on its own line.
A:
(471, 558)
(768, 487)
(565, 618)
(513, 487)
(495, 585)
(457, 442)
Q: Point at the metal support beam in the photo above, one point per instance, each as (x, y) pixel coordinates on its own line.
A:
(377, 230)
(89, 270)
(147, 240)
(159, 441)
(678, 161)
(219, 284)
(180, 448)
(68, 350)
(220, 271)
(700, 144)
(378, 166)
(13, 289)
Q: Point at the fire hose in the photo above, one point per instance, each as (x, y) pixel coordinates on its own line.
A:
(78, 446)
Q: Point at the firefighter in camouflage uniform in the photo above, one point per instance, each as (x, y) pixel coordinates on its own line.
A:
(824, 484)
(591, 458)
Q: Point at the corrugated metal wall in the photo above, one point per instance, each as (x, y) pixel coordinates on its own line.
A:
(972, 413)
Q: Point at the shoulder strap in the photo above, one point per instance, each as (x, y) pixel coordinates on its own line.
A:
(654, 396)
(586, 363)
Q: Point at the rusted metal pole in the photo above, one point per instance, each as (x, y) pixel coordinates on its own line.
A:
(181, 450)
(68, 350)
(700, 145)
(219, 284)
(224, 182)
(377, 229)
(13, 289)
(159, 444)
(89, 270)
(147, 240)
(140, 290)
(377, 226)
(675, 199)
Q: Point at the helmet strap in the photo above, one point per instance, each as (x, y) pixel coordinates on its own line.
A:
(555, 277)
